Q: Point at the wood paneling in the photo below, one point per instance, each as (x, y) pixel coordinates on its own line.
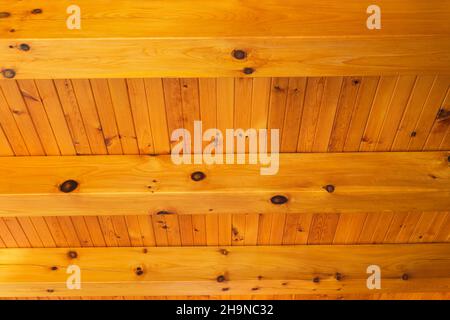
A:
(415, 104)
(344, 228)
(159, 38)
(403, 228)
(236, 270)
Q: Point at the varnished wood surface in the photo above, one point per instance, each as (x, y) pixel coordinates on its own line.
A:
(135, 116)
(136, 185)
(234, 270)
(195, 39)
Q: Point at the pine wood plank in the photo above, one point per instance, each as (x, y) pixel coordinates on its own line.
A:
(115, 185)
(272, 270)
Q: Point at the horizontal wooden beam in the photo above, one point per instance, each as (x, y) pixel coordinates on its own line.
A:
(127, 38)
(117, 185)
(224, 270)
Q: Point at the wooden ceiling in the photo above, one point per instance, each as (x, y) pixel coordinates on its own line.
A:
(365, 112)
(134, 116)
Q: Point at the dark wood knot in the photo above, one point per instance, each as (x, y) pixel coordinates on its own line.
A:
(139, 271)
(239, 54)
(248, 70)
(8, 73)
(68, 186)
(198, 176)
(24, 47)
(278, 199)
(72, 254)
(163, 213)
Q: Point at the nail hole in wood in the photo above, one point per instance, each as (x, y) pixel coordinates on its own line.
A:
(316, 279)
(405, 277)
(68, 186)
(329, 188)
(36, 11)
(220, 278)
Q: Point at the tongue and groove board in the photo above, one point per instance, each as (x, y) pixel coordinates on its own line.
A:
(137, 116)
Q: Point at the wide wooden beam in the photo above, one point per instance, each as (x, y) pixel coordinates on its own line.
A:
(224, 270)
(117, 185)
(127, 38)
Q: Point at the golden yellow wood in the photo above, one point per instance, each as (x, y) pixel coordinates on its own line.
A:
(227, 18)
(128, 38)
(117, 185)
(225, 270)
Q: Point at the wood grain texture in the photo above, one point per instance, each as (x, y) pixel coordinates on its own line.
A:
(183, 18)
(170, 39)
(406, 113)
(245, 270)
(148, 185)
